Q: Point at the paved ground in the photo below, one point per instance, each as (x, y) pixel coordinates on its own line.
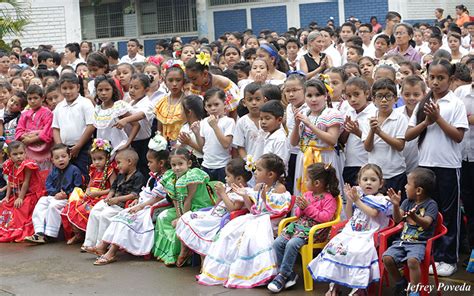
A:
(57, 269)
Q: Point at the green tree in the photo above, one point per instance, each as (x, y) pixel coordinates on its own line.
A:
(13, 19)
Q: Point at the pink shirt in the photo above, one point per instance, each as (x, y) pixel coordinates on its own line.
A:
(320, 210)
(40, 121)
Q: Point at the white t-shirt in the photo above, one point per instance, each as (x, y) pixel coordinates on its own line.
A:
(215, 156)
(356, 156)
(290, 124)
(388, 159)
(278, 144)
(72, 119)
(410, 152)
(466, 94)
(249, 136)
(332, 52)
(138, 58)
(437, 149)
(187, 130)
(145, 106)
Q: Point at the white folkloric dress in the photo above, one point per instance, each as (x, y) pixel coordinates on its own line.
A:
(135, 233)
(197, 230)
(350, 258)
(242, 255)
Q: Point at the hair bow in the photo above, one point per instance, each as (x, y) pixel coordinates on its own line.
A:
(203, 58)
(325, 79)
(101, 145)
(158, 143)
(297, 72)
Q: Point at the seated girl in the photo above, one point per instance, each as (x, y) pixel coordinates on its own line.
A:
(197, 230)
(242, 254)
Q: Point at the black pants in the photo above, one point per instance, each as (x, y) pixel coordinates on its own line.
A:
(349, 174)
(141, 147)
(215, 174)
(446, 248)
(467, 197)
(82, 161)
(398, 183)
(290, 179)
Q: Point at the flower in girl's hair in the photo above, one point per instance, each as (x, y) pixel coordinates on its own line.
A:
(249, 163)
(101, 144)
(325, 79)
(174, 63)
(203, 59)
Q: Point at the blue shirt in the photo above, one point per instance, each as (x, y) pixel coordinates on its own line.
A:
(65, 180)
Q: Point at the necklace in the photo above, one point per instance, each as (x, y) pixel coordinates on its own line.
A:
(304, 140)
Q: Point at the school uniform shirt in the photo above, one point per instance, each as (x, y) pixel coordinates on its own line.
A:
(63, 180)
(332, 52)
(187, 130)
(410, 151)
(277, 143)
(356, 155)
(144, 105)
(466, 94)
(437, 149)
(215, 156)
(249, 136)
(290, 124)
(390, 160)
(72, 119)
(137, 59)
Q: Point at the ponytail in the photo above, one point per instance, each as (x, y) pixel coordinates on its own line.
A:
(420, 116)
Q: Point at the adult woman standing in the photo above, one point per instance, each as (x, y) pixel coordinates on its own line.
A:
(314, 62)
(403, 35)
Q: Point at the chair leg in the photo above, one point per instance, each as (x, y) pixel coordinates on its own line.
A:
(435, 273)
(306, 257)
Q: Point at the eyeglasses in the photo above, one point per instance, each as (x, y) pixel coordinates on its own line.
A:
(293, 90)
(387, 97)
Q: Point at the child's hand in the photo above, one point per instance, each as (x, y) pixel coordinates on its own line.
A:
(239, 189)
(174, 222)
(351, 126)
(348, 191)
(113, 201)
(133, 203)
(301, 202)
(260, 77)
(302, 118)
(432, 111)
(136, 208)
(220, 188)
(60, 195)
(121, 123)
(195, 127)
(374, 125)
(18, 202)
(395, 197)
(184, 138)
(354, 195)
(412, 213)
(74, 151)
(213, 120)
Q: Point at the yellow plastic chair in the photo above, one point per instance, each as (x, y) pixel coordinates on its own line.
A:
(307, 250)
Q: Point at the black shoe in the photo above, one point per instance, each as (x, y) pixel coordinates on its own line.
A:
(401, 288)
(291, 280)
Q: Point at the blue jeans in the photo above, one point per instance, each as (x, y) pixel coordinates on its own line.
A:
(287, 252)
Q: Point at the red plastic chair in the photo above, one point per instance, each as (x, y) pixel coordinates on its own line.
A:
(440, 230)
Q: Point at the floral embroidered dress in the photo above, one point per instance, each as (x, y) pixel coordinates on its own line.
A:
(350, 258)
(170, 116)
(105, 119)
(79, 205)
(242, 255)
(167, 245)
(313, 149)
(38, 123)
(16, 223)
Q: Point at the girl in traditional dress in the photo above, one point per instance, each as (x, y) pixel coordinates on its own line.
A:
(187, 187)
(197, 229)
(350, 258)
(168, 110)
(132, 229)
(80, 203)
(316, 133)
(242, 254)
(24, 188)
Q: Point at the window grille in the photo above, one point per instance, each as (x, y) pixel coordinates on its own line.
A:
(167, 16)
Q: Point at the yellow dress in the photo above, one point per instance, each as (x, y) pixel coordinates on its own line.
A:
(170, 116)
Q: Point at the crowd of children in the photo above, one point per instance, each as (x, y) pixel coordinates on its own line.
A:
(155, 155)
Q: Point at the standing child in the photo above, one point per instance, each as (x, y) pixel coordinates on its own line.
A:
(124, 73)
(337, 78)
(126, 187)
(357, 94)
(419, 213)
(76, 134)
(156, 90)
(384, 135)
(60, 183)
(248, 137)
(132, 229)
(142, 111)
(187, 188)
(18, 84)
(24, 189)
(276, 141)
(367, 65)
(80, 203)
(5, 93)
(97, 65)
(193, 110)
(52, 96)
(413, 92)
(197, 230)
(316, 133)
(34, 129)
(439, 122)
(242, 254)
(318, 205)
(214, 135)
(350, 258)
(16, 103)
(110, 109)
(168, 110)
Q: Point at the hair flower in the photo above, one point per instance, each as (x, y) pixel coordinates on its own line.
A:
(173, 63)
(249, 163)
(325, 79)
(203, 58)
(102, 145)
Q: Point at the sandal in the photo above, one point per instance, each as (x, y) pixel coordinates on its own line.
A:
(184, 258)
(102, 260)
(93, 251)
(74, 240)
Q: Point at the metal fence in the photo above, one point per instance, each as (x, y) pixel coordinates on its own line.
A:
(230, 2)
(167, 16)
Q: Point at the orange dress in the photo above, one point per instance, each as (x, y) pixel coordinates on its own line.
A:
(15, 223)
(79, 205)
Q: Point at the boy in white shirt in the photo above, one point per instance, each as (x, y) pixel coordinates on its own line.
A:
(132, 56)
(271, 117)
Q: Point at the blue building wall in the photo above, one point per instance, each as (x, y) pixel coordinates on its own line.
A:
(122, 48)
(273, 18)
(230, 21)
(363, 10)
(318, 12)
